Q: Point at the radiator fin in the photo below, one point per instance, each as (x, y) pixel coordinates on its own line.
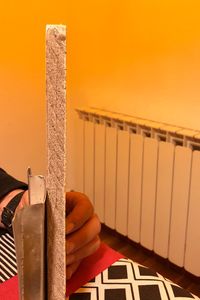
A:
(192, 262)
(163, 198)
(89, 160)
(135, 187)
(99, 170)
(181, 183)
(148, 192)
(110, 176)
(122, 182)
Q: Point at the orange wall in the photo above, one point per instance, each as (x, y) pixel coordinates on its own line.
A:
(133, 56)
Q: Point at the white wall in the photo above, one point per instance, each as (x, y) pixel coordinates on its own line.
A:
(135, 57)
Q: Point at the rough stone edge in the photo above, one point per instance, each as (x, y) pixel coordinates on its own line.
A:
(56, 169)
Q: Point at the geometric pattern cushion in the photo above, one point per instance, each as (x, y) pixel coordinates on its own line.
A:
(127, 280)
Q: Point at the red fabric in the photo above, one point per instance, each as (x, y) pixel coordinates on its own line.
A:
(9, 289)
(88, 269)
(91, 266)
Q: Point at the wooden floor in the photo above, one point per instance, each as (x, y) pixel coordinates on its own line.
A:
(149, 259)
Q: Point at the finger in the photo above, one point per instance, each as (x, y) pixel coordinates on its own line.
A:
(81, 211)
(71, 269)
(85, 251)
(83, 236)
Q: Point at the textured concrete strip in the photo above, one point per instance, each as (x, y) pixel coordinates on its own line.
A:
(56, 141)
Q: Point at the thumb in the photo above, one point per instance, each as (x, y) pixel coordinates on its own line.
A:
(79, 214)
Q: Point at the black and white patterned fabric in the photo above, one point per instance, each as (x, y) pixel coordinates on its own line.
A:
(127, 280)
(124, 280)
(8, 264)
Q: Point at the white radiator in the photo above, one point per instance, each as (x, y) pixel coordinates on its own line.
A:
(143, 178)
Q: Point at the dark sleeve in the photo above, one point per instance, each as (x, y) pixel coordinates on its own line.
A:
(9, 183)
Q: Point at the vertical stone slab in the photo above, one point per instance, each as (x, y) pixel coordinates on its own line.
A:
(56, 140)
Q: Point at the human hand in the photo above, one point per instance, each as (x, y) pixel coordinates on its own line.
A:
(82, 229)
